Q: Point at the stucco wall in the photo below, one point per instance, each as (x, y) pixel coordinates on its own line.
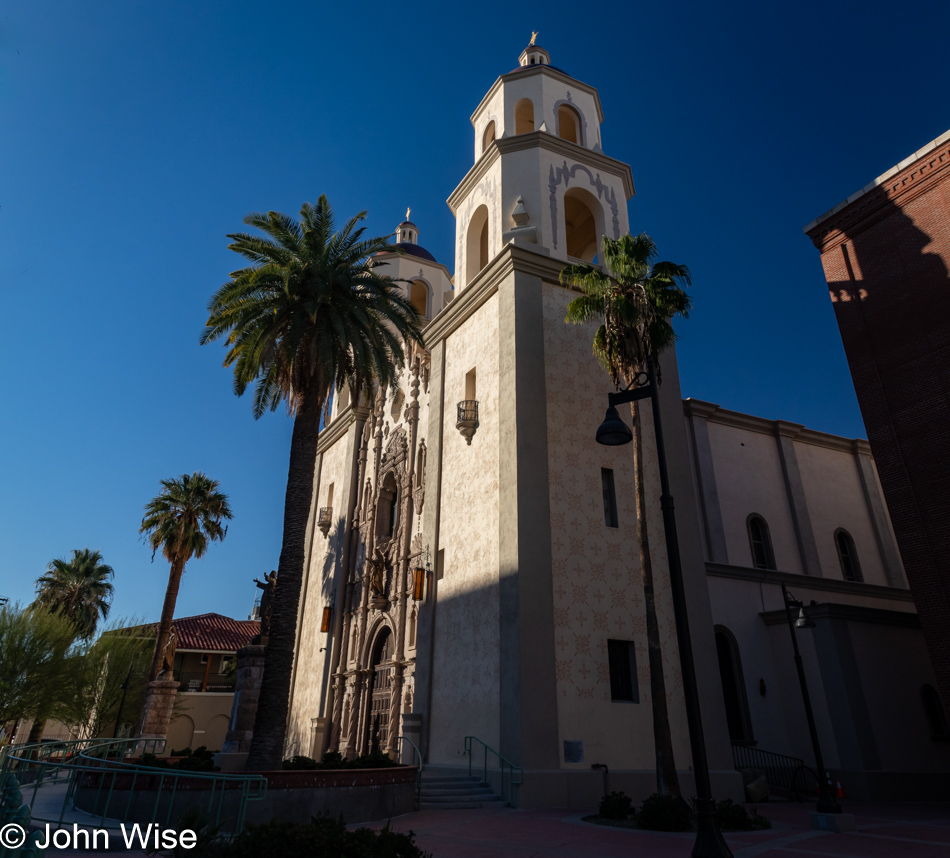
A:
(598, 590)
(465, 669)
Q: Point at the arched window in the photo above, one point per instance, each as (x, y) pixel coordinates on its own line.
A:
(412, 628)
(733, 686)
(936, 717)
(848, 557)
(524, 116)
(476, 256)
(568, 124)
(419, 298)
(760, 542)
(488, 136)
(387, 508)
(581, 226)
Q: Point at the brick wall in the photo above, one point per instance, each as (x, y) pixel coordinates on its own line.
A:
(886, 257)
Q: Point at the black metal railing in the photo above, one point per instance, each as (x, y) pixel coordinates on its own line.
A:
(781, 771)
(195, 681)
(468, 411)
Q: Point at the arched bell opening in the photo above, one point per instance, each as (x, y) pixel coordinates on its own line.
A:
(569, 124)
(583, 224)
(524, 116)
(489, 136)
(476, 255)
(419, 297)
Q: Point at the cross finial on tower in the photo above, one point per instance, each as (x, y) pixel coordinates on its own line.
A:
(534, 35)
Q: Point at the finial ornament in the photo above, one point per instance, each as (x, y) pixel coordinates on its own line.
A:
(534, 35)
(407, 213)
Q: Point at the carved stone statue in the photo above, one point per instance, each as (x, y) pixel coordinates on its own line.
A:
(269, 587)
(377, 574)
(168, 655)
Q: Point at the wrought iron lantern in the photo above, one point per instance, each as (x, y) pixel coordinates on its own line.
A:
(325, 623)
(324, 519)
(467, 421)
(418, 584)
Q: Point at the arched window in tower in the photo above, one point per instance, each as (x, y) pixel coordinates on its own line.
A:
(760, 542)
(419, 298)
(936, 717)
(568, 124)
(476, 246)
(489, 135)
(524, 116)
(733, 686)
(848, 557)
(581, 226)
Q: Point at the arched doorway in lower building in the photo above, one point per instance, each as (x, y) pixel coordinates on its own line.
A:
(380, 692)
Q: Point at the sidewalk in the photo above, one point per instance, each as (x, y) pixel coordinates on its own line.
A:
(884, 831)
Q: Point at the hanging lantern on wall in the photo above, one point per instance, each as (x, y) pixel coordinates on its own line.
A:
(325, 623)
(418, 584)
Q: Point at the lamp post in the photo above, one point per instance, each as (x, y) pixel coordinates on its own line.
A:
(614, 432)
(826, 800)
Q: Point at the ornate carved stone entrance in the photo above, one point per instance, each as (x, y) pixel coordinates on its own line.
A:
(380, 693)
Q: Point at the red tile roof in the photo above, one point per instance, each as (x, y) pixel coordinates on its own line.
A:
(214, 633)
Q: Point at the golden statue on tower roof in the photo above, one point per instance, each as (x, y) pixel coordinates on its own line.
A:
(534, 35)
(407, 213)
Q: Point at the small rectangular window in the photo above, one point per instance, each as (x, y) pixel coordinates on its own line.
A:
(470, 384)
(440, 565)
(330, 496)
(622, 659)
(610, 497)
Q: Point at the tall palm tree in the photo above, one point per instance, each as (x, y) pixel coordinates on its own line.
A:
(636, 298)
(180, 522)
(77, 588)
(309, 313)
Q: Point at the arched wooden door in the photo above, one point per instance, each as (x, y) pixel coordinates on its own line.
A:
(380, 692)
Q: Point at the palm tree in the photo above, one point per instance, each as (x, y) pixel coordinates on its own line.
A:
(308, 314)
(78, 589)
(636, 298)
(180, 522)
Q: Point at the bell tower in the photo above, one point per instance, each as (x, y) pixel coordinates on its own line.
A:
(540, 179)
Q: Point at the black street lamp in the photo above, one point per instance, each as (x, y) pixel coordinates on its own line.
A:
(614, 432)
(826, 800)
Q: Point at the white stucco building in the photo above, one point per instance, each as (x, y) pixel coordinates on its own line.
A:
(480, 468)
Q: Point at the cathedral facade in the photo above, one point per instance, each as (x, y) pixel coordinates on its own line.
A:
(473, 565)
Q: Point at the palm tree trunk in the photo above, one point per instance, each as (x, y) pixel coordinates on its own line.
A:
(168, 614)
(36, 732)
(270, 724)
(667, 781)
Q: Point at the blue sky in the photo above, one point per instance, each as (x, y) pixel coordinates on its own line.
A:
(136, 135)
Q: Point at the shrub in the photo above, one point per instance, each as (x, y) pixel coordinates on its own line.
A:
(665, 813)
(734, 817)
(322, 837)
(299, 762)
(616, 805)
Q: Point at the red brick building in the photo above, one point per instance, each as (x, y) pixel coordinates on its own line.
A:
(886, 253)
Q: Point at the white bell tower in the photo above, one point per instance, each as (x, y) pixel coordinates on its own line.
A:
(540, 178)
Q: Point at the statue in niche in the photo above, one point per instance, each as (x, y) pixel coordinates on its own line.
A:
(377, 579)
(269, 587)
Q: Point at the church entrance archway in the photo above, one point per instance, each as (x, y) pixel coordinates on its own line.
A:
(377, 726)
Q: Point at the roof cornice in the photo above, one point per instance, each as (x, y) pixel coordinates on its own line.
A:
(528, 71)
(338, 428)
(550, 143)
(808, 582)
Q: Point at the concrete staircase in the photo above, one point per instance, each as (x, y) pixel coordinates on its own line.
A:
(448, 792)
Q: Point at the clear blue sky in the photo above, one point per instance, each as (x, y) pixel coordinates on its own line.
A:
(135, 135)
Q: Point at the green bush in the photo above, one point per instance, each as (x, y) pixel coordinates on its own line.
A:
(333, 760)
(322, 837)
(616, 805)
(198, 760)
(665, 813)
(734, 817)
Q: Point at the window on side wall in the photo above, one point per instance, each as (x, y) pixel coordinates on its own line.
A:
(622, 660)
(760, 541)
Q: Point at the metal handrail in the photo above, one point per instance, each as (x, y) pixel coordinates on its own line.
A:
(780, 770)
(98, 764)
(417, 754)
(502, 762)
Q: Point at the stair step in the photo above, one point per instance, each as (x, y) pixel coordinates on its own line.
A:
(447, 790)
(461, 805)
(464, 796)
(446, 779)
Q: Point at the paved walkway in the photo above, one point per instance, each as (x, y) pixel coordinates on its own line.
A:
(891, 830)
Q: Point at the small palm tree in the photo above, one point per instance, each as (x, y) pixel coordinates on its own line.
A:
(180, 522)
(308, 314)
(77, 588)
(636, 298)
